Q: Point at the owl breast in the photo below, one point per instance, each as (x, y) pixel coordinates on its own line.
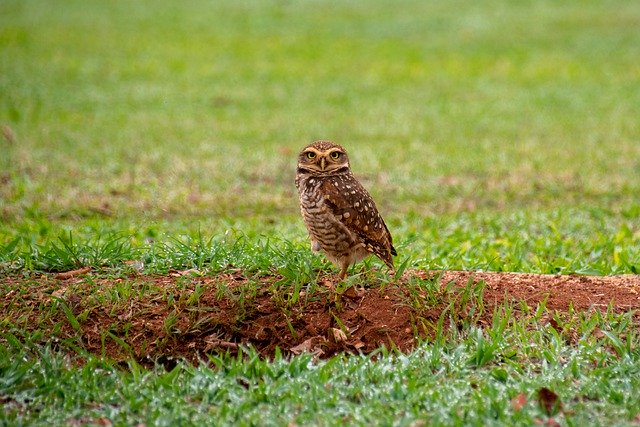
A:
(327, 232)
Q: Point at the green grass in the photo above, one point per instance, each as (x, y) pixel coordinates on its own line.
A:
(198, 110)
(499, 136)
(589, 240)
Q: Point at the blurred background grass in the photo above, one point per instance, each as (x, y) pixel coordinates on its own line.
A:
(496, 134)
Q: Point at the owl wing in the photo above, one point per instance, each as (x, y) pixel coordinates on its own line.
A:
(352, 205)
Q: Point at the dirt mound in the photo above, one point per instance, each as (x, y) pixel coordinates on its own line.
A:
(189, 316)
(559, 291)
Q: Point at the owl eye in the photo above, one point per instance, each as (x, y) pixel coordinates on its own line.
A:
(335, 155)
(311, 155)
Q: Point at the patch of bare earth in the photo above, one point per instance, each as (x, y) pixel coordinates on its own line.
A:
(159, 321)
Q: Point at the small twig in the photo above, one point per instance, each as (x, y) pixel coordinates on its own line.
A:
(69, 274)
(220, 344)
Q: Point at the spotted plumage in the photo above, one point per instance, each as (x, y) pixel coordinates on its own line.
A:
(341, 217)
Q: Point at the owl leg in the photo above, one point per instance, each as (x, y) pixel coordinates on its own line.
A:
(389, 262)
(392, 270)
(344, 265)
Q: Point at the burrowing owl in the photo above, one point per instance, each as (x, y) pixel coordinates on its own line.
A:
(339, 213)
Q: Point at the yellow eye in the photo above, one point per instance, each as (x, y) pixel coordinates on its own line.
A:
(335, 155)
(311, 155)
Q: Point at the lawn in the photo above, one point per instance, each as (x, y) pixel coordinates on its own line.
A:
(156, 144)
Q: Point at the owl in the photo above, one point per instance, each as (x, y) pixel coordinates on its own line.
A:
(341, 217)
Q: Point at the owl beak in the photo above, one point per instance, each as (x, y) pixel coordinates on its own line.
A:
(323, 163)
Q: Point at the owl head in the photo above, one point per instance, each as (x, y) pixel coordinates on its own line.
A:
(323, 157)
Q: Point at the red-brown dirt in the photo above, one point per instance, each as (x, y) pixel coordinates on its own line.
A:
(164, 323)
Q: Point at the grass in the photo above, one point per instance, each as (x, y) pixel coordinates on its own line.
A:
(494, 136)
(569, 240)
(445, 115)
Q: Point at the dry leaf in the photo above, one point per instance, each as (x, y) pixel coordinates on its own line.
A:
(126, 315)
(518, 402)
(358, 345)
(327, 284)
(304, 346)
(311, 345)
(58, 293)
(549, 401)
(338, 335)
(353, 293)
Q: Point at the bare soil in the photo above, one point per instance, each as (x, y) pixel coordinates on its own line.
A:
(166, 325)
